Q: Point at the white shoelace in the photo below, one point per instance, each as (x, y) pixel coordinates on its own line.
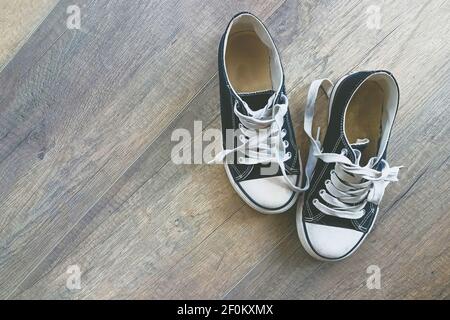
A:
(262, 137)
(350, 186)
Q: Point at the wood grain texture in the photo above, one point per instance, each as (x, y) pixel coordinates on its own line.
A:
(85, 148)
(18, 20)
(74, 121)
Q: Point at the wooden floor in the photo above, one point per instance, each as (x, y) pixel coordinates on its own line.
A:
(86, 176)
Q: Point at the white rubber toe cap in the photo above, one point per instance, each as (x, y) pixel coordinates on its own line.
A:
(332, 242)
(271, 193)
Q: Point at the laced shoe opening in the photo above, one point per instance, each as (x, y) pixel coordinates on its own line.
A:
(252, 62)
(363, 118)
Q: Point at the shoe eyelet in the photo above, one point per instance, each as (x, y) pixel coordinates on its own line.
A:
(344, 152)
(315, 201)
(242, 138)
(240, 160)
(289, 154)
(327, 181)
(283, 131)
(322, 192)
(332, 171)
(286, 143)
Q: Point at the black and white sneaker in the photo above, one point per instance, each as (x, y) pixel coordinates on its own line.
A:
(349, 171)
(261, 154)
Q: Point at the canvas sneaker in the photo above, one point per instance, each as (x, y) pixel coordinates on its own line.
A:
(260, 151)
(349, 170)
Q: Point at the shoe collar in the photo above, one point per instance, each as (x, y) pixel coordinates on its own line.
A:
(247, 20)
(390, 87)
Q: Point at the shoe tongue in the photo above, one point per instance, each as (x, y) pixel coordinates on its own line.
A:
(256, 100)
(360, 144)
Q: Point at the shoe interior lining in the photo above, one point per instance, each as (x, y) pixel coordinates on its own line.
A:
(248, 63)
(363, 118)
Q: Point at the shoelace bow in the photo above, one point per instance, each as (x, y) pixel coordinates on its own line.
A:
(262, 137)
(351, 186)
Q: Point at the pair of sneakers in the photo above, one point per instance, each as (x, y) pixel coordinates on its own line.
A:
(345, 176)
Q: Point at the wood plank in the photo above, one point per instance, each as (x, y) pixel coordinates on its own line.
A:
(75, 120)
(159, 222)
(18, 20)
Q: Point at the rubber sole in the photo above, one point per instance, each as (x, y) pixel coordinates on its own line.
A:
(252, 204)
(305, 243)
